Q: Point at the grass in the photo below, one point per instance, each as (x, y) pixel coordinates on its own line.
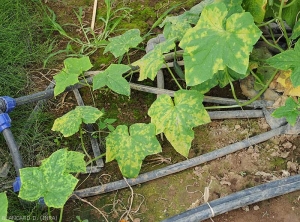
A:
(23, 42)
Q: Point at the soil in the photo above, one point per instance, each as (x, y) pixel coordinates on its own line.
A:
(171, 195)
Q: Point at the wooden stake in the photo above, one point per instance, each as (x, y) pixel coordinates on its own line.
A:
(94, 14)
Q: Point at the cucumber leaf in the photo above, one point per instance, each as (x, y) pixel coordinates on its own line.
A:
(119, 45)
(69, 123)
(3, 207)
(73, 68)
(176, 119)
(153, 61)
(289, 59)
(218, 42)
(51, 180)
(112, 77)
(290, 111)
(130, 148)
(257, 8)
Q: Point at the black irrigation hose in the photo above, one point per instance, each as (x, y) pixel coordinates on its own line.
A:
(235, 114)
(239, 199)
(175, 168)
(49, 93)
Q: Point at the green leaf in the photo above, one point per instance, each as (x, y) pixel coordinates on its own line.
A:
(290, 111)
(51, 180)
(176, 119)
(289, 59)
(175, 27)
(129, 149)
(69, 123)
(119, 45)
(233, 6)
(75, 162)
(216, 42)
(257, 8)
(112, 77)
(3, 207)
(69, 75)
(153, 61)
(296, 30)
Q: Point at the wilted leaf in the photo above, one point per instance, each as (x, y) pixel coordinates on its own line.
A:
(69, 123)
(285, 81)
(129, 149)
(119, 45)
(51, 180)
(153, 61)
(290, 111)
(112, 77)
(216, 42)
(176, 119)
(286, 60)
(69, 75)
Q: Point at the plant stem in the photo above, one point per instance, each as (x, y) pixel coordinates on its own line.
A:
(232, 88)
(257, 78)
(270, 44)
(128, 59)
(49, 213)
(61, 214)
(170, 71)
(82, 144)
(249, 101)
(286, 6)
(96, 158)
(267, 23)
(282, 25)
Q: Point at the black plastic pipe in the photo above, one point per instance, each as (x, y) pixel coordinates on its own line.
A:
(239, 199)
(175, 168)
(236, 114)
(49, 93)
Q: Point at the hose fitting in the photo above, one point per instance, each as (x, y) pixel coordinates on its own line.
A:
(4, 121)
(7, 104)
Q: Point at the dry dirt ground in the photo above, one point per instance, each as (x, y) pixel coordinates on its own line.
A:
(168, 196)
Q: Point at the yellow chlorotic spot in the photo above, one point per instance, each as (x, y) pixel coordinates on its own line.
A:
(219, 65)
(238, 55)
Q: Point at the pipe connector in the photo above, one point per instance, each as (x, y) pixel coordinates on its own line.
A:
(17, 184)
(7, 104)
(4, 121)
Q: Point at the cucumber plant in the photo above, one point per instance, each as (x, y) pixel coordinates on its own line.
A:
(218, 39)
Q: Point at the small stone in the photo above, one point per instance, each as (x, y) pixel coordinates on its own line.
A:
(256, 207)
(4, 170)
(250, 149)
(287, 145)
(285, 173)
(237, 126)
(284, 154)
(245, 208)
(291, 166)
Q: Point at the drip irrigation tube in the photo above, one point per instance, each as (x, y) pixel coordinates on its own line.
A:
(235, 114)
(49, 93)
(239, 199)
(14, 150)
(175, 168)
